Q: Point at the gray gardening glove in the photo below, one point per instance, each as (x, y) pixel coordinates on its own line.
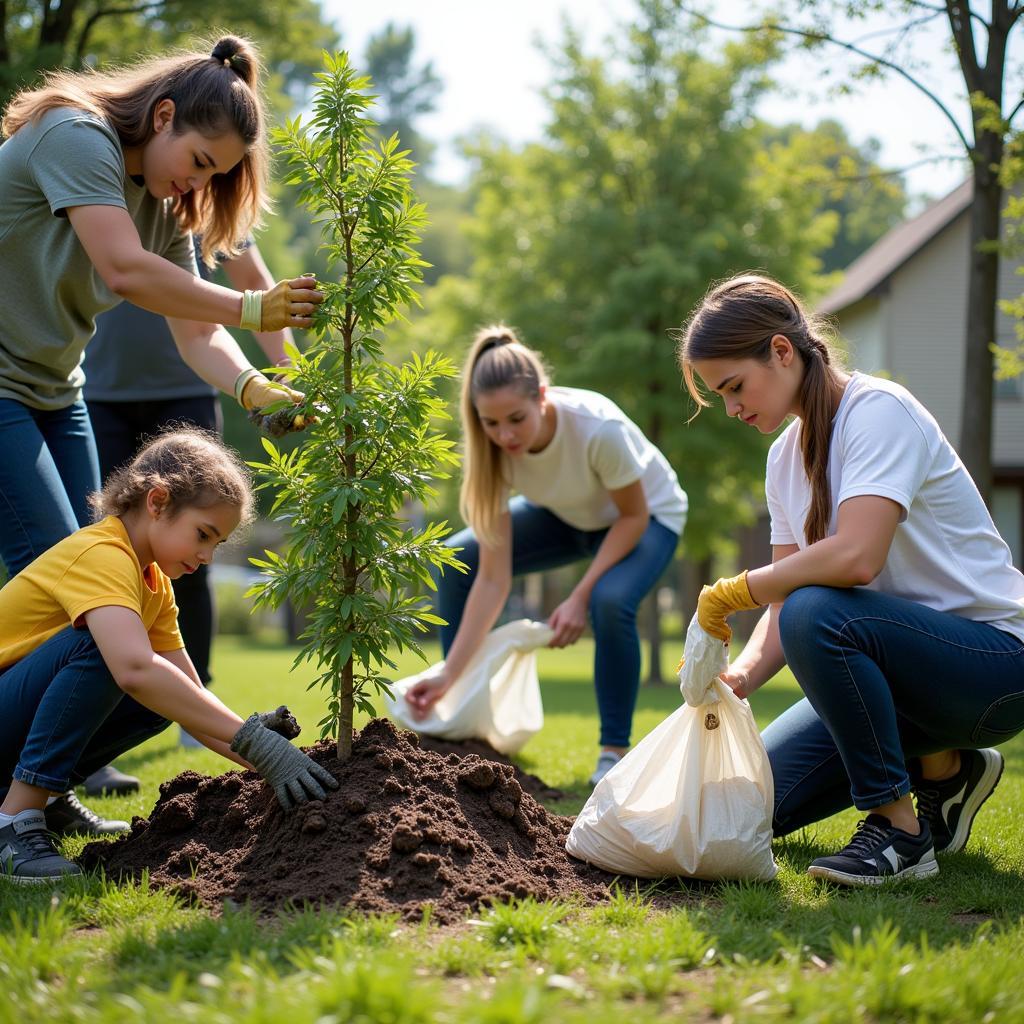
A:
(295, 776)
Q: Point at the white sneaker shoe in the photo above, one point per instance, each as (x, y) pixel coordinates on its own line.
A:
(606, 761)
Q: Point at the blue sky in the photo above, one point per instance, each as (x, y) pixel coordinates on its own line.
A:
(486, 52)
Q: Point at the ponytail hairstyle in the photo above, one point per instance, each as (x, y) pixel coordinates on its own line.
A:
(194, 466)
(214, 92)
(737, 320)
(497, 359)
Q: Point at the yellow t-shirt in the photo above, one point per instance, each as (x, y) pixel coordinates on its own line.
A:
(92, 568)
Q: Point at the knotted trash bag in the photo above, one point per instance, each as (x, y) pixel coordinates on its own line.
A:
(497, 697)
(694, 797)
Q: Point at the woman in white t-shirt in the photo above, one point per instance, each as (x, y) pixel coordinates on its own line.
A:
(589, 486)
(890, 595)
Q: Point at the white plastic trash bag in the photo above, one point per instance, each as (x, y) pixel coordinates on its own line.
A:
(497, 697)
(705, 658)
(694, 797)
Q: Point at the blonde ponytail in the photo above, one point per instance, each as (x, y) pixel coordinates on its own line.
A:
(497, 359)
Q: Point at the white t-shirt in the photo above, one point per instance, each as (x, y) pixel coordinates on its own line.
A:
(946, 553)
(595, 448)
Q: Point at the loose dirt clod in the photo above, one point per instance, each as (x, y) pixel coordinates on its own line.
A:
(406, 827)
(532, 784)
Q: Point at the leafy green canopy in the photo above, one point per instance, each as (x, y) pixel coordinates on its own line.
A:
(347, 492)
(70, 33)
(652, 182)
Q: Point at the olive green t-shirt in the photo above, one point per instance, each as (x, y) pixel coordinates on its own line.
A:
(52, 292)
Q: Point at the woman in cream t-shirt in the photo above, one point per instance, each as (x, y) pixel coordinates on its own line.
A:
(891, 596)
(589, 486)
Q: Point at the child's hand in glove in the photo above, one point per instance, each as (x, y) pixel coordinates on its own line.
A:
(295, 777)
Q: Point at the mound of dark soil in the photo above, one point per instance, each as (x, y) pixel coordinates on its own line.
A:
(406, 827)
(532, 784)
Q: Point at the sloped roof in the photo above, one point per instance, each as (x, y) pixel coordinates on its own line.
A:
(893, 249)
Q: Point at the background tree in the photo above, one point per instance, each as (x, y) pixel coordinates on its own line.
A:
(650, 183)
(39, 34)
(352, 556)
(867, 200)
(404, 92)
(981, 36)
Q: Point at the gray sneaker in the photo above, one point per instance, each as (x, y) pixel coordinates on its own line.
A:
(67, 816)
(28, 855)
(110, 780)
(606, 761)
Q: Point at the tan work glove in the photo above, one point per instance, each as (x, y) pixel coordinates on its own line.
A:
(718, 602)
(288, 304)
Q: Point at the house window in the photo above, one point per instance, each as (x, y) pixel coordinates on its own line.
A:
(1010, 389)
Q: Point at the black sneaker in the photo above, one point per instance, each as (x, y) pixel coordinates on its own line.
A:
(879, 852)
(28, 855)
(110, 780)
(950, 806)
(66, 816)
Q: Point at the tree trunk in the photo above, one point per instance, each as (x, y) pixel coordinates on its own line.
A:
(982, 297)
(652, 615)
(984, 81)
(56, 25)
(694, 575)
(654, 677)
(5, 52)
(345, 710)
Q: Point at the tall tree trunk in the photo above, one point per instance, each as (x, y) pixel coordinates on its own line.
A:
(984, 81)
(653, 617)
(5, 53)
(693, 575)
(976, 412)
(56, 24)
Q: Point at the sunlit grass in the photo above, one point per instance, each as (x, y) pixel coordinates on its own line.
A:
(945, 949)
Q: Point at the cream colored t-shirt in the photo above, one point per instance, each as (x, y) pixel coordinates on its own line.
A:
(94, 567)
(946, 553)
(596, 448)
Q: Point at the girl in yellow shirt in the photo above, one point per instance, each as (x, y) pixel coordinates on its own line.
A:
(91, 660)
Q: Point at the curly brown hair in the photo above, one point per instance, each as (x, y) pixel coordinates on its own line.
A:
(194, 466)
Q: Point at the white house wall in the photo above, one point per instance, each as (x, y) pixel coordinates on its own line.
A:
(1008, 444)
(927, 309)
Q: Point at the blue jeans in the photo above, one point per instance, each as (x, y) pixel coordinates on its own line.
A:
(63, 716)
(540, 540)
(885, 680)
(48, 467)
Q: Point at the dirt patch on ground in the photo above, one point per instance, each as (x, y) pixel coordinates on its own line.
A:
(532, 784)
(407, 827)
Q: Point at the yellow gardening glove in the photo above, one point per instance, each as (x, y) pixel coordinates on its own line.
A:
(718, 602)
(258, 392)
(289, 304)
(255, 393)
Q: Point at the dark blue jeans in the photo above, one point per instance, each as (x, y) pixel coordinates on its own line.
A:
(62, 716)
(540, 540)
(48, 467)
(885, 680)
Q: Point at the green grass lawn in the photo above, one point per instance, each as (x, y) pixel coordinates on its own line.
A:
(947, 949)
